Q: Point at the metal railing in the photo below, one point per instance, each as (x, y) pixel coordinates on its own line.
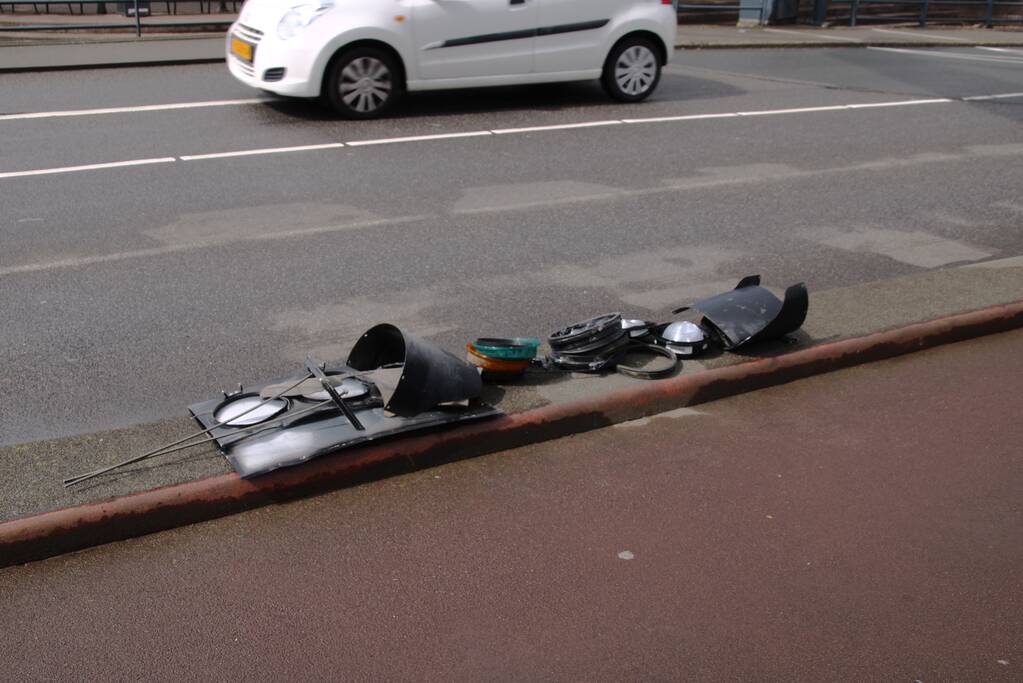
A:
(752, 10)
(918, 11)
(136, 9)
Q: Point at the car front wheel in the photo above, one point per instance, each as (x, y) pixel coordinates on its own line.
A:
(632, 70)
(362, 83)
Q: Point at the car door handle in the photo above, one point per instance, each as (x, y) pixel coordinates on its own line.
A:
(516, 2)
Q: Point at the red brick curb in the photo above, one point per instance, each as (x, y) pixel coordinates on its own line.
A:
(62, 531)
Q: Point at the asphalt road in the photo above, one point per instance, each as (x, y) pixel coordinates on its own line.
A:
(756, 538)
(129, 292)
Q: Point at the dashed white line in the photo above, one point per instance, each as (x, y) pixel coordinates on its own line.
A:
(950, 55)
(1000, 49)
(127, 110)
(500, 131)
(1003, 96)
(265, 150)
(562, 126)
(418, 138)
(796, 110)
(87, 167)
(903, 103)
(801, 110)
(687, 117)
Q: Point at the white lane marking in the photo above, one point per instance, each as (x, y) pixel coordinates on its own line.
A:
(265, 150)
(418, 138)
(949, 55)
(689, 117)
(815, 34)
(918, 34)
(503, 131)
(903, 103)
(1003, 96)
(1000, 49)
(797, 110)
(801, 110)
(87, 167)
(563, 126)
(127, 110)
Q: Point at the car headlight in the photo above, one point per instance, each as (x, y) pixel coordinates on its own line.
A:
(300, 16)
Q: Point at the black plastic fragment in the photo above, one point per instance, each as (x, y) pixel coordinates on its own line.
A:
(750, 313)
(666, 370)
(429, 375)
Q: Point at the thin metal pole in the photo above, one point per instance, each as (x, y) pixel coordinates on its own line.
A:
(138, 20)
(988, 17)
(207, 430)
(854, 11)
(310, 363)
(273, 424)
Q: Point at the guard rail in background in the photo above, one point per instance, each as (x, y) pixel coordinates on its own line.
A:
(988, 12)
(753, 11)
(134, 9)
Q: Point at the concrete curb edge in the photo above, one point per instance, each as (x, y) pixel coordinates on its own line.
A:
(108, 65)
(61, 531)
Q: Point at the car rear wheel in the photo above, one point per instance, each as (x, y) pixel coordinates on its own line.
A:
(362, 83)
(632, 70)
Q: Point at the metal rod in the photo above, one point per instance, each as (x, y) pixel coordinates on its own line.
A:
(162, 449)
(310, 363)
(273, 424)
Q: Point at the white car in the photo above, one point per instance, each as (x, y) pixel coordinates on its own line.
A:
(361, 55)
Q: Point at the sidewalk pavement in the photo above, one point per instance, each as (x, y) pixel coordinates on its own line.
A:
(48, 51)
(863, 525)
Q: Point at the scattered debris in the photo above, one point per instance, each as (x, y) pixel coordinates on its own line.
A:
(508, 348)
(394, 382)
(749, 313)
(589, 346)
(682, 338)
(648, 371)
(502, 357)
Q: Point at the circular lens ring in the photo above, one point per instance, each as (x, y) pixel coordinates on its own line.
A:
(494, 364)
(644, 373)
(510, 348)
(576, 332)
(256, 410)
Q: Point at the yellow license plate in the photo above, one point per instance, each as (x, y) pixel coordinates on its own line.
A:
(242, 50)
